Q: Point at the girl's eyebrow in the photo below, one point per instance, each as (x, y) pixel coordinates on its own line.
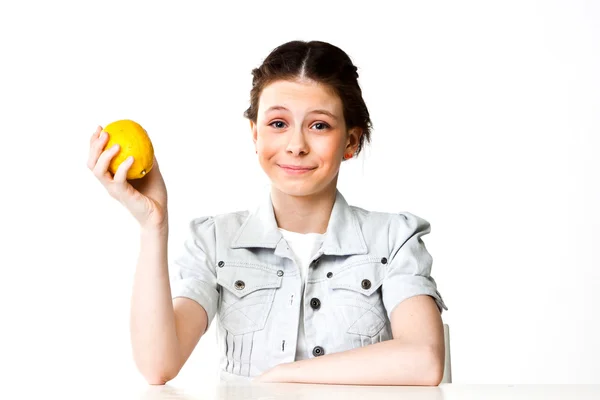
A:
(274, 108)
(317, 111)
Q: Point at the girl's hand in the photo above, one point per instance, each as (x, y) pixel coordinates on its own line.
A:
(145, 198)
(275, 374)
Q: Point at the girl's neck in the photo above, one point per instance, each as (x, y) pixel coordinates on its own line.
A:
(303, 214)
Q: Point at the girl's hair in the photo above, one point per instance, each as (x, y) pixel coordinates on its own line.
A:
(323, 63)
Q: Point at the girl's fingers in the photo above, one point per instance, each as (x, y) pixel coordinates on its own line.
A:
(95, 135)
(121, 174)
(101, 167)
(96, 149)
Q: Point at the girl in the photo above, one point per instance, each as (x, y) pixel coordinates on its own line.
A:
(306, 287)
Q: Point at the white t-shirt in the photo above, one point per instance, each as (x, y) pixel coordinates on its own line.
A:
(304, 246)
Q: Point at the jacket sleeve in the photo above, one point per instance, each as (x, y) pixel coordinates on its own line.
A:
(408, 270)
(194, 274)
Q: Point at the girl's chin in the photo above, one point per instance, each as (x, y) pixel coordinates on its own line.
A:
(298, 187)
(294, 188)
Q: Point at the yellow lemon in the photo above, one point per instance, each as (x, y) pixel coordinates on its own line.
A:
(133, 141)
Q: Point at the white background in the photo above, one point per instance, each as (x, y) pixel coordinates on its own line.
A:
(486, 123)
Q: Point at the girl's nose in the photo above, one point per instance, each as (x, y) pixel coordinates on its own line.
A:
(297, 143)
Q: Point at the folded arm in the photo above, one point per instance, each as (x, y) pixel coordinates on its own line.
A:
(415, 355)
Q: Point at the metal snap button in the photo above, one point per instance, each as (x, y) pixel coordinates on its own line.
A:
(221, 264)
(239, 285)
(280, 273)
(315, 303)
(384, 260)
(366, 284)
(318, 351)
(329, 274)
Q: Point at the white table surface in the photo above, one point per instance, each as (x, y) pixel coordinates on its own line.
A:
(119, 387)
(272, 391)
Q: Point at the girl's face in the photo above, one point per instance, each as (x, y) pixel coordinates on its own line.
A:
(301, 137)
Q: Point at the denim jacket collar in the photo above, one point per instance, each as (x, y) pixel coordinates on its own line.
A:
(343, 236)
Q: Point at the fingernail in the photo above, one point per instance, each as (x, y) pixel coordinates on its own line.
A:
(116, 146)
(102, 135)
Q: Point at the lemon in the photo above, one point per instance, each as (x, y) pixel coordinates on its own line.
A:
(133, 141)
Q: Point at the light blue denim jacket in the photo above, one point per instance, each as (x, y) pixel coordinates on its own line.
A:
(240, 268)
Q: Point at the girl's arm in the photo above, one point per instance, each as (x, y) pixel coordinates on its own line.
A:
(415, 355)
(164, 331)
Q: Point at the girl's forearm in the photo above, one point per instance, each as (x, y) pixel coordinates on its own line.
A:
(391, 362)
(153, 330)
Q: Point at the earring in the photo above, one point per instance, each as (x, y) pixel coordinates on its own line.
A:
(347, 156)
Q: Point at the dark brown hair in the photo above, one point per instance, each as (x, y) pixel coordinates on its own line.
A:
(323, 63)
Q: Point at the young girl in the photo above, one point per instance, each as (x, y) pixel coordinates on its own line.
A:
(306, 287)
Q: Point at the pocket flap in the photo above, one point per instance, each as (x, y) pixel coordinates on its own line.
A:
(244, 279)
(363, 278)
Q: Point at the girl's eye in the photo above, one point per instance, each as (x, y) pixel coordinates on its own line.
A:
(280, 125)
(277, 126)
(323, 125)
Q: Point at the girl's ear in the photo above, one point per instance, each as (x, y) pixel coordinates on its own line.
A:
(254, 131)
(354, 135)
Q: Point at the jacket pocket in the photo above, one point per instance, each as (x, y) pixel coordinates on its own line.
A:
(246, 296)
(355, 293)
